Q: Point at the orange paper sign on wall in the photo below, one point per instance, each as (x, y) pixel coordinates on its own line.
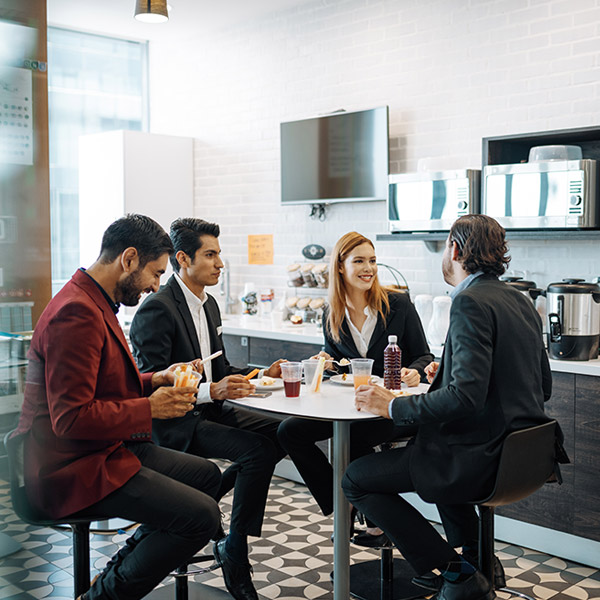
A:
(260, 249)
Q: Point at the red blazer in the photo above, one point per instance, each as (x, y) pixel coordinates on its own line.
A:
(84, 397)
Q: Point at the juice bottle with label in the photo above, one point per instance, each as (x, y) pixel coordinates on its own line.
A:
(392, 364)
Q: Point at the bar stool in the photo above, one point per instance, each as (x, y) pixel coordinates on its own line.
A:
(527, 462)
(80, 528)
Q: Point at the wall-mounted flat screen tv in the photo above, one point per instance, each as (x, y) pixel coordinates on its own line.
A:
(341, 157)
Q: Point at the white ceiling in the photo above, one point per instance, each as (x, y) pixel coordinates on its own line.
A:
(187, 17)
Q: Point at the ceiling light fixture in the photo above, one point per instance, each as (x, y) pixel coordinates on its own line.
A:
(151, 11)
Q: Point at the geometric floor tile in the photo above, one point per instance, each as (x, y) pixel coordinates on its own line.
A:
(292, 560)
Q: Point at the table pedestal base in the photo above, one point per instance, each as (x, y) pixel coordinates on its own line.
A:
(195, 591)
(369, 581)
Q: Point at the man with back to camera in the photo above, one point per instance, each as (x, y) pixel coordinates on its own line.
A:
(493, 378)
(181, 322)
(87, 420)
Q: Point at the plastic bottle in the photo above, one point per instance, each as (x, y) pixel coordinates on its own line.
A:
(392, 364)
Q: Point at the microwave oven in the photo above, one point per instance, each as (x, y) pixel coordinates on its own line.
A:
(432, 201)
(560, 194)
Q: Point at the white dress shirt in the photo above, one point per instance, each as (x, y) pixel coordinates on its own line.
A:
(196, 306)
(363, 337)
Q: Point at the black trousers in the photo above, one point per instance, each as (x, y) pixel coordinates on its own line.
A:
(172, 497)
(372, 484)
(249, 440)
(298, 438)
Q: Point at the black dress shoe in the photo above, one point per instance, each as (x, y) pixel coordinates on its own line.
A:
(236, 575)
(371, 541)
(433, 582)
(477, 587)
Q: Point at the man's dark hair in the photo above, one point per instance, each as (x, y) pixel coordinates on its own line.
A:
(481, 244)
(186, 234)
(135, 231)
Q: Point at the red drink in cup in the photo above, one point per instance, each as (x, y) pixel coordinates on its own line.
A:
(292, 388)
(291, 373)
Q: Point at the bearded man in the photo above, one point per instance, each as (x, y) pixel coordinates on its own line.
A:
(87, 420)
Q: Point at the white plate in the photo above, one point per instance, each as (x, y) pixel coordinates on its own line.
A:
(350, 381)
(276, 385)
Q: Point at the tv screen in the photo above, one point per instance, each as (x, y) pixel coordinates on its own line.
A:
(342, 157)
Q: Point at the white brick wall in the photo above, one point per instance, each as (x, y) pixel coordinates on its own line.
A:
(451, 71)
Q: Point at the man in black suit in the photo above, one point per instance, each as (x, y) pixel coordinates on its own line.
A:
(493, 379)
(179, 323)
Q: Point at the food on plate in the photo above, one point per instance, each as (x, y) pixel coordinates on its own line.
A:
(296, 320)
(252, 374)
(267, 380)
(400, 393)
(291, 302)
(344, 376)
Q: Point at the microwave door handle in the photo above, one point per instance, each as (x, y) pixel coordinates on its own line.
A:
(544, 190)
(508, 196)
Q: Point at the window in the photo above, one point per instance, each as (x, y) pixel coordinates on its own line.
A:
(95, 84)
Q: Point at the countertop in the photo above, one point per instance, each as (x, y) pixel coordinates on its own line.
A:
(309, 333)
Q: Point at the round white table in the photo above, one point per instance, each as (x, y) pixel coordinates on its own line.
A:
(334, 402)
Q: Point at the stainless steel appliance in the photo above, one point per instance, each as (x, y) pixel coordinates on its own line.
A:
(555, 194)
(527, 288)
(573, 309)
(432, 201)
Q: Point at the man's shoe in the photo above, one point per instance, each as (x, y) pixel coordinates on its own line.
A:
(477, 587)
(499, 576)
(431, 581)
(237, 576)
(371, 541)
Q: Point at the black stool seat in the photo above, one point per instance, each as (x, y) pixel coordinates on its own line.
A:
(527, 462)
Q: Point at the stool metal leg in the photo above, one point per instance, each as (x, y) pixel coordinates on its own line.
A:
(181, 584)
(81, 557)
(387, 574)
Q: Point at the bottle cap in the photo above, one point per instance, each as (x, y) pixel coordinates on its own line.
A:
(392, 339)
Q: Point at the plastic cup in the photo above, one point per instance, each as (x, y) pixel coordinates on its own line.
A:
(291, 373)
(187, 379)
(361, 371)
(310, 368)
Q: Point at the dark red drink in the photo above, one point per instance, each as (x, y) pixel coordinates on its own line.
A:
(292, 388)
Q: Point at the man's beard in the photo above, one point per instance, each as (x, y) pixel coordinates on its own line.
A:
(128, 291)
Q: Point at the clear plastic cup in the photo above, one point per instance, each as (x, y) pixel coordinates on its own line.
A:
(310, 368)
(361, 371)
(186, 378)
(291, 373)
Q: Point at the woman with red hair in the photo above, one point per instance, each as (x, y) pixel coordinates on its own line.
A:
(361, 315)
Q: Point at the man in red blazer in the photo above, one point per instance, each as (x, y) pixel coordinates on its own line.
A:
(87, 419)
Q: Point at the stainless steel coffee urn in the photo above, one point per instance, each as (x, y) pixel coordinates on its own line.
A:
(573, 309)
(527, 288)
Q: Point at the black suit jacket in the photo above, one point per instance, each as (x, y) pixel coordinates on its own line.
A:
(493, 378)
(163, 333)
(402, 321)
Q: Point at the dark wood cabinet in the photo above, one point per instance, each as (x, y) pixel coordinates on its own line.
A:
(585, 458)
(574, 506)
(244, 351)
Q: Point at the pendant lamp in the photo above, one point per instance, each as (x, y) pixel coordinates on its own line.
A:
(151, 11)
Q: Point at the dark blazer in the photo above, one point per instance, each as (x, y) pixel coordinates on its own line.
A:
(493, 378)
(402, 321)
(163, 333)
(84, 397)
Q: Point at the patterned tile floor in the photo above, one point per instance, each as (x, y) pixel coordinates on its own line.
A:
(292, 560)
